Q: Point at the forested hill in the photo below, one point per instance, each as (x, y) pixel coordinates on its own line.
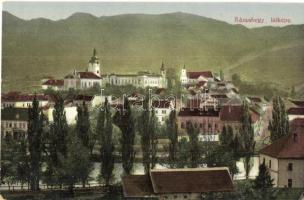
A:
(128, 43)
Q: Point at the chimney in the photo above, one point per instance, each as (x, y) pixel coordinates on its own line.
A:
(295, 137)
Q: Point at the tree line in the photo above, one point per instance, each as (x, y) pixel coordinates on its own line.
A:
(60, 155)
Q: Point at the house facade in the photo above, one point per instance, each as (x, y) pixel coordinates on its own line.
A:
(14, 121)
(141, 79)
(284, 159)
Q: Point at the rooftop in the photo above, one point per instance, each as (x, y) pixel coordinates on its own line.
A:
(296, 111)
(198, 112)
(190, 180)
(287, 147)
(17, 97)
(53, 82)
(195, 75)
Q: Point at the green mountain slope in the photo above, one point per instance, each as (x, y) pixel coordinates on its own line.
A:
(128, 43)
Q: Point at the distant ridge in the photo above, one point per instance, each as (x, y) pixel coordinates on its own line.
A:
(133, 42)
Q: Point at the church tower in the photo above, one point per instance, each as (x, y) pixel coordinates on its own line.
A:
(94, 65)
(163, 70)
(183, 76)
(163, 78)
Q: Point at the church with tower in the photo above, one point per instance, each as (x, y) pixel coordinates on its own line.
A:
(93, 76)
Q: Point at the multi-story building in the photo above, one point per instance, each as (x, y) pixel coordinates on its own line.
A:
(141, 79)
(162, 109)
(14, 121)
(177, 184)
(284, 159)
(18, 100)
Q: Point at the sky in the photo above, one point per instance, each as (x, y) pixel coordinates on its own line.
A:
(293, 12)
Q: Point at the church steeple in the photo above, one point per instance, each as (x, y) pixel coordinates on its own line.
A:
(94, 65)
(162, 68)
(94, 58)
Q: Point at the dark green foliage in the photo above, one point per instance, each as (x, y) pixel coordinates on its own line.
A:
(57, 144)
(182, 153)
(172, 131)
(35, 131)
(123, 118)
(279, 125)
(194, 148)
(21, 162)
(263, 180)
(83, 124)
(247, 139)
(147, 126)
(75, 164)
(105, 130)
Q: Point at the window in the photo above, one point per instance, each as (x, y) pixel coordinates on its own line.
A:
(185, 196)
(263, 160)
(201, 125)
(290, 183)
(182, 125)
(290, 166)
(163, 111)
(269, 164)
(175, 196)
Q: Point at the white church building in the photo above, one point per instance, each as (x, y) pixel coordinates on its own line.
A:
(87, 79)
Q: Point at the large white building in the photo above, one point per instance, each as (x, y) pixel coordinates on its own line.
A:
(141, 79)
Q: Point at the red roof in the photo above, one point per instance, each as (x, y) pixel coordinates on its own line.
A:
(296, 111)
(195, 180)
(233, 113)
(298, 103)
(296, 125)
(84, 75)
(88, 75)
(198, 112)
(289, 147)
(23, 97)
(195, 75)
(137, 186)
(53, 82)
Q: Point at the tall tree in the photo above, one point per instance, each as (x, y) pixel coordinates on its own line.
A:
(247, 138)
(147, 129)
(83, 124)
(279, 125)
(182, 153)
(106, 142)
(35, 129)
(194, 148)
(75, 164)
(125, 121)
(21, 161)
(57, 143)
(172, 131)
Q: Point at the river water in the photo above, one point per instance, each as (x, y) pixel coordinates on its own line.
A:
(139, 169)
